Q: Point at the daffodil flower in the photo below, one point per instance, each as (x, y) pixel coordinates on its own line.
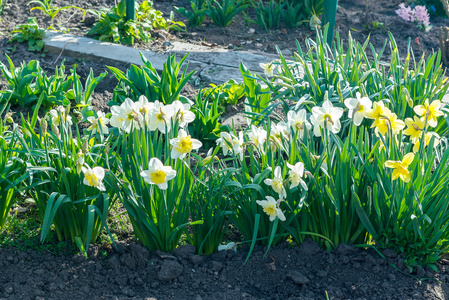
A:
(326, 117)
(389, 122)
(79, 161)
(279, 132)
(59, 114)
(160, 117)
(358, 108)
(229, 142)
(183, 144)
(267, 69)
(183, 113)
(296, 174)
(400, 168)
(415, 128)
(379, 110)
(429, 111)
(99, 122)
(257, 136)
(277, 183)
(271, 208)
(94, 177)
(298, 121)
(144, 107)
(158, 174)
(427, 137)
(126, 116)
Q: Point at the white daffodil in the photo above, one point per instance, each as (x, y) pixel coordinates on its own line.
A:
(358, 108)
(183, 144)
(267, 69)
(183, 113)
(160, 117)
(225, 142)
(280, 131)
(144, 107)
(79, 161)
(326, 117)
(99, 122)
(271, 208)
(94, 177)
(277, 183)
(126, 116)
(296, 174)
(298, 121)
(158, 174)
(117, 118)
(257, 136)
(59, 114)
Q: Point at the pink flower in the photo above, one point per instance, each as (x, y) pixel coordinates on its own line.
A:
(418, 14)
(421, 15)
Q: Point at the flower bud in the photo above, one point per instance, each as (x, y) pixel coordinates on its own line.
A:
(44, 126)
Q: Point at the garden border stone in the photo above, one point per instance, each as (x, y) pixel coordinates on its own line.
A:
(213, 64)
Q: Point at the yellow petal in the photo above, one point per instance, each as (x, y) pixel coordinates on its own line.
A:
(408, 158)
(391, 164)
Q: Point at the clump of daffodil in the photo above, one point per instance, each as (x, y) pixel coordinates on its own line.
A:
(277, 183)
(158, 174)
(400, 168)
(429, 112)
(358, 108)
(271, 208)
(183, 144)
(94, 177)
(427, 137)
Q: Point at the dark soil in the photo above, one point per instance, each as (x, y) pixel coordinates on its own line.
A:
(305, 272)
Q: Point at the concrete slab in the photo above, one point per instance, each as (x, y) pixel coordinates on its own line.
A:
(213, 64)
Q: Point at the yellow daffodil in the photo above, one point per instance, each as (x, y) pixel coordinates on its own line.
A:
(271, 208)
(400, 168)
(429, 111)
(377, 112)
(389, 122)
(415, 128)
(427, 137)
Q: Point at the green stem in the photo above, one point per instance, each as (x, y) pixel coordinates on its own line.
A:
(329, 14)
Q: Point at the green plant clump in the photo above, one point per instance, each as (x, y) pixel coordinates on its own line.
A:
(112, 25)
(29, 33)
